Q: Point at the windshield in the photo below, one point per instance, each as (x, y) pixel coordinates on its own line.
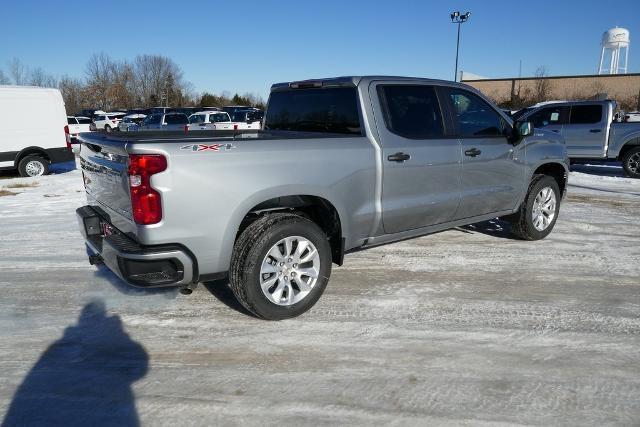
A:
(332, 110)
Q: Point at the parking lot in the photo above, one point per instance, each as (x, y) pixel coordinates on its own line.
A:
(468, 326)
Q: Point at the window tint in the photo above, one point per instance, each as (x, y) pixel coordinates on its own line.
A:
(176, 119)
(332, 110)
(84, 121)
(71, 121)
(548, 116)
(100, 118)
(153, 119)
(217, 118)
(197, 118)
(412, 111)
(583, 114)
(475, 116)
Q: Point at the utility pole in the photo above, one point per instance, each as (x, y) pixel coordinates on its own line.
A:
(458, 18)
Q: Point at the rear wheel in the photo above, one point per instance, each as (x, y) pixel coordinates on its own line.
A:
(280, 266)
(631, 162)
(33, 166)
(539, 211)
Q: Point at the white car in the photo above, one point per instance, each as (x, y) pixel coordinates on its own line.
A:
(107, 121)
(247, 119)
(210, 120)
(77, 124)
(131, 121)
(27, 144)
(631, 117)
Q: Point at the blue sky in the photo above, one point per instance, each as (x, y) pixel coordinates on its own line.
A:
(246, 45)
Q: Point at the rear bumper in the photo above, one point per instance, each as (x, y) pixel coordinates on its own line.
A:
(138, 265)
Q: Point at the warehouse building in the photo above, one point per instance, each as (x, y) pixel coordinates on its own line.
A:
(518, 92)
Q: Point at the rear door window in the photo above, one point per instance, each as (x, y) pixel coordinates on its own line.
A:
(84, 121)
(585, 114)
(176, 119)
(72, 121)
(327, 110)
(412, 111)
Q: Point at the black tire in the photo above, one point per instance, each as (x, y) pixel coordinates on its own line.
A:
(631, 162)
(107, 128)
(522, 224)
(250, 250)
(43, 164)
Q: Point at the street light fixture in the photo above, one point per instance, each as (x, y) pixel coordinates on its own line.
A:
(458, 18)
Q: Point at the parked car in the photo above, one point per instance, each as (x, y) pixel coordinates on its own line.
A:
(31, 144)
(210, 120)
(107, 121)
(631, 117)
(168, 121)
(130, 121)
(247, 119)
(343, 164)
(76, 125)
(590, 131)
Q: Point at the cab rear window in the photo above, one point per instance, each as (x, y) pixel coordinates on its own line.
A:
(327, 110)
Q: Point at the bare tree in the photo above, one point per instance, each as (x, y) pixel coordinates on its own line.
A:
(99, 73)
(39, 78)
(73, 93)
(542, 84)
(18, 72)
(4, 80)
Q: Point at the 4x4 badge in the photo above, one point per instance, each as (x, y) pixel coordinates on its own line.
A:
(208, 147)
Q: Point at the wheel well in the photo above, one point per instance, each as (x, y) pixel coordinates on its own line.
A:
(629, 145)
(314, 208)
(556, 171)
(30, 151)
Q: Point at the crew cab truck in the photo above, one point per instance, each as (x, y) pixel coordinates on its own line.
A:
(341, 164)
(590, 131)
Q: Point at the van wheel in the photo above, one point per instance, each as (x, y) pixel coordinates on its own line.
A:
(280, 266)
(539, 211)
(107, 128)
(33, 166)
(631, 162)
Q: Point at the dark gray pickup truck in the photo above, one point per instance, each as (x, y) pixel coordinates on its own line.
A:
(341, 164)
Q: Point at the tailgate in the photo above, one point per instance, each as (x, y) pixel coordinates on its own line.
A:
(104, 168)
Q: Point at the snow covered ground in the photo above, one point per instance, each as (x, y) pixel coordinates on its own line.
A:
(466, 326)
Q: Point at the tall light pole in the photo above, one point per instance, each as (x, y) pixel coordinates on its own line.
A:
(458, 18)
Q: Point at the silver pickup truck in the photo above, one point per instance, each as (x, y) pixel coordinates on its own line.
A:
(340, 165)
(589, 131)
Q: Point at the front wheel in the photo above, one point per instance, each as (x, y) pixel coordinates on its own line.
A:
(280, 266)
(631, 162)
(539, 210)
(107, 128)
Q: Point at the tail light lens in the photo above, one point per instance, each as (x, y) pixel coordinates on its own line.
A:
(146, 203)
(235, 127)
(67, 136)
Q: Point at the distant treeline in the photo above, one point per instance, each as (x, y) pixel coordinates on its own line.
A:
(108, 84)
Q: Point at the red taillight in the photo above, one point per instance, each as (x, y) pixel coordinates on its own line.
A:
(186, 128)
(235, 127)
(67, 136)
(146, 203)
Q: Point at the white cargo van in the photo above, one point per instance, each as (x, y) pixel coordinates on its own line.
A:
(33, 129)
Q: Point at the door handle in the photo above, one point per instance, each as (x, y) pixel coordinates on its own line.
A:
(595, 130)
(398, 157)
(472, 152)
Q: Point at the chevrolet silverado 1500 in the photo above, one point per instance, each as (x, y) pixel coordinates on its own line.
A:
(340, 165)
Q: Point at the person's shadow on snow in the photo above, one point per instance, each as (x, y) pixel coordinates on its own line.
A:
(84, 378)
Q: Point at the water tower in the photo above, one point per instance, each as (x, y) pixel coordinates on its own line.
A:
(615, 51)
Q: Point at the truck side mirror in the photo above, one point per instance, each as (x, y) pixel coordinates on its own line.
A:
(523, 128)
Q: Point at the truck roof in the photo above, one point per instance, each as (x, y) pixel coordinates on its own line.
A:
(352, 81)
